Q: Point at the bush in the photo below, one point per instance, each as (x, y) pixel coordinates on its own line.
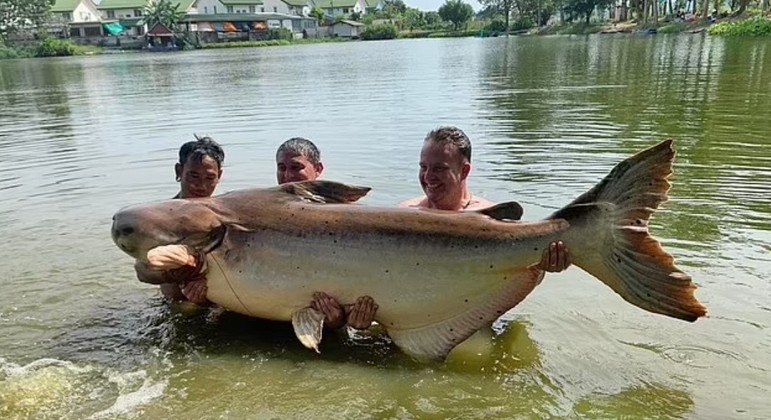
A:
(242, 44)
(497, 25)
(522, 24)
(282, 33)
(53, 47)
(382, 31)
(414, 34)
(8, 52)
(757, 26)
(453, 34)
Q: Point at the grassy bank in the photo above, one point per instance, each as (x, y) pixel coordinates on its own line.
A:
(271, 43)
(756, 26)
(49, 47)
(438, 34)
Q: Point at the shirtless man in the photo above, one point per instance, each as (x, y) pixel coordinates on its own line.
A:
(198, 172)
(298, 159)
(445, 163)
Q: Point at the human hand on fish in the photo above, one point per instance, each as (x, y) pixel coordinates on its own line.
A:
(555, 258)
(362, 313)
(334, 315)
(169, 257)
(180, 263)
(195, 291)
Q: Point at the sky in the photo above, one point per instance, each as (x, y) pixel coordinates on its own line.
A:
(428, 5)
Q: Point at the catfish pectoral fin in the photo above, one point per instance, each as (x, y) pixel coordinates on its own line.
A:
(505, 211)
(308, 324)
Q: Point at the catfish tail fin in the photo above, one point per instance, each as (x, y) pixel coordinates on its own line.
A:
(622, 252)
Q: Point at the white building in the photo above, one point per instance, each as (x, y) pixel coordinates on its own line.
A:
(76, 19)
(334, 8)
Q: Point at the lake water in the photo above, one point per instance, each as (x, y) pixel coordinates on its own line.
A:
(548, 117)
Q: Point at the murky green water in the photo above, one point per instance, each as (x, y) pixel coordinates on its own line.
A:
(548, 116)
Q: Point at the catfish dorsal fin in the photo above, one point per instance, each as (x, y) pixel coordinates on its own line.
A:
(504, 211)
(325, 192)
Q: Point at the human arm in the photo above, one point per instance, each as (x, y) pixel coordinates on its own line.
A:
(178, 269)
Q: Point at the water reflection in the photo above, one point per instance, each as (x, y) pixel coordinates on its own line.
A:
(656, 401)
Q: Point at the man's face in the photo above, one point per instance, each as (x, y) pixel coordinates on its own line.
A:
(198, 178)
(293, 167)
(442, 172)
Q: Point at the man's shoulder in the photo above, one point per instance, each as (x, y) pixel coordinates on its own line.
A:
(479, 203)
(414, 202)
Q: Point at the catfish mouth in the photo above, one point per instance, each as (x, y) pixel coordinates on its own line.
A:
(136, 245)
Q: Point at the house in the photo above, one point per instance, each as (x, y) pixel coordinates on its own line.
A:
(213, 7)
(275, 6)
(128, 13)
(374, 5)
(75, 18)
(347, 29)
(217, 20)
(299, 7)
(333, 8)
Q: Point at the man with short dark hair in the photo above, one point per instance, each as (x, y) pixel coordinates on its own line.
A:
(198, 172)
(298, 159)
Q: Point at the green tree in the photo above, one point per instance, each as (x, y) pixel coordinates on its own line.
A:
(457, 12)
(318, 14)
(164, 12)
(413, 18)
(585, 8)
(432, 19)
(501, 6)
(19, 15)
(397, 6)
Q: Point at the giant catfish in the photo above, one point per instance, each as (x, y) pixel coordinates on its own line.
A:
(437, 276)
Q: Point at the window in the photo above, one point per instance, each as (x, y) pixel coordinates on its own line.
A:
(74, 32)
(345, 10)
(206, 10)
(275, 9)
(251, 9)
(67, 16)
(137, 12)
(230, 9)
(262, 9)
(215, 10)
(111, 14)
(93, 31)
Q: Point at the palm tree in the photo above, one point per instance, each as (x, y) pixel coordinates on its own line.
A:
(164, 12)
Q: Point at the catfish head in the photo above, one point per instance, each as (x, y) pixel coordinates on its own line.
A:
(138, 229)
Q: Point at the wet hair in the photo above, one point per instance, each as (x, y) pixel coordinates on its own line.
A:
(300, 146)
(454, 136)
(201, 147)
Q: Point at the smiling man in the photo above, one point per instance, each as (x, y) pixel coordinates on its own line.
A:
(445, 164)
(298, 159)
